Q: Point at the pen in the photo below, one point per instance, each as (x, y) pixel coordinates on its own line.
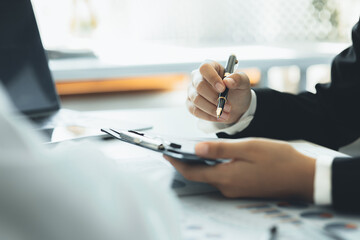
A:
(229, 69)
(272, 234)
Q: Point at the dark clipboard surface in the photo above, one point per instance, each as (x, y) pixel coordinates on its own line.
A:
(168, 151)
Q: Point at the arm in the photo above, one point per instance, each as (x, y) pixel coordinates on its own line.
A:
(329, 117)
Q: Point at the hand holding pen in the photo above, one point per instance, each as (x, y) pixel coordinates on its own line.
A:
(206, 85)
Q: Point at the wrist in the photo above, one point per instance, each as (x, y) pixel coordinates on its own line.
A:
(305, 177)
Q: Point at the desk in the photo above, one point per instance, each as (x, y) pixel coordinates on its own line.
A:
(149, 100)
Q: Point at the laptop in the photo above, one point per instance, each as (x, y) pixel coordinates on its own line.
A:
(25, 74)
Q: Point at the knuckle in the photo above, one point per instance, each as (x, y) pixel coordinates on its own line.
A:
(237, 78)
(199, 86)
(245, 78)
(214, 100)
(202, 88)
(218, 149)
(228, 193)
(204, 67)
(241, 79)
(196, 99)
(243, 75)
(195, 111)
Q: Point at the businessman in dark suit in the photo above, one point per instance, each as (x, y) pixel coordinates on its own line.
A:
(270, 168)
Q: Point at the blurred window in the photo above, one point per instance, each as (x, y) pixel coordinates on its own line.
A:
(90, 23)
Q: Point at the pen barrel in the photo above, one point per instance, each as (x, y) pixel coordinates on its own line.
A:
(230, 65)
(222, 98)
(221, 102)
(229, 68)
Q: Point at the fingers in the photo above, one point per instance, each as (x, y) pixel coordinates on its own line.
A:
(192, 172)
(203, 88)
(252, 150)
(212, 72)
(209, 72)
(205, 110)
(199, 172)
(231, 150)
(203, 93)
(237, 80)
(220, 176)
(204, 96)
(202, 101)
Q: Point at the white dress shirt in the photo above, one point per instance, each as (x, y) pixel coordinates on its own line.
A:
(322, 179)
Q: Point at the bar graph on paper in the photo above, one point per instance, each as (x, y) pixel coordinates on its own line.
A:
(212, 216)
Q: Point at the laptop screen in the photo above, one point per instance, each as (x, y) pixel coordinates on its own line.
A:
(24, 69)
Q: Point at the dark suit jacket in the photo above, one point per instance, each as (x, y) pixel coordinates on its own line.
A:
(331, 118)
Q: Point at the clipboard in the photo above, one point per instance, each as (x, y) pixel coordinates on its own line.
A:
(161, 145)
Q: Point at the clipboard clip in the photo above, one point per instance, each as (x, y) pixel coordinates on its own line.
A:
(158, 144)
(139, 139)
(165, 143)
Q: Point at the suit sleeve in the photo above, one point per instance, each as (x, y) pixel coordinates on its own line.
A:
(330, 118)
(345, 179)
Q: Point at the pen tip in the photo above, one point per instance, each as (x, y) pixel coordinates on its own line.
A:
(218, 112)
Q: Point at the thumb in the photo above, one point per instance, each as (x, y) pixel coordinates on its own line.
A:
(237, 80)
(226, 150)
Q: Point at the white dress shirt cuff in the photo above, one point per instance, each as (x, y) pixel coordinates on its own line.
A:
(241, 124)
(322, 181)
